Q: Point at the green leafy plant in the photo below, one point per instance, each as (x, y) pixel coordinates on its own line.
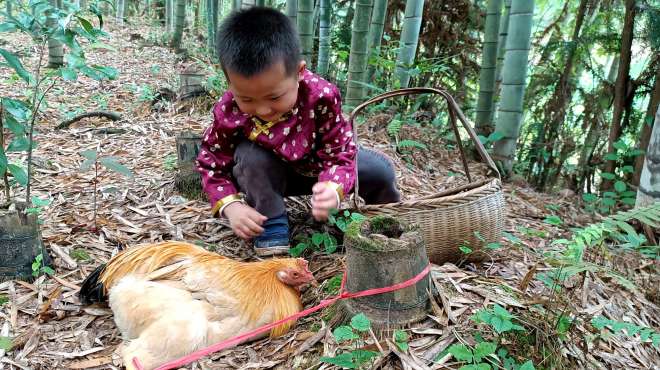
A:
(332, 285)
(341, 219)
(498, 318)
(553, 220)
(3, 299)
(353, 334)
(80, 255)
(37, 205)
(492, 138)
(474, 356)
(645, 333)
(42, 22)
(317, 241)
(39, 268)
(411, 144)
(169, 163)
(401, 339)
(109, 162)
(6, 343)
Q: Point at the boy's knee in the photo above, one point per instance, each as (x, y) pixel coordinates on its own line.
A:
(250, 158)
(377, 177)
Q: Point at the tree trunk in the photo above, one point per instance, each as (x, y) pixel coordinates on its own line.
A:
(8, 6)
(409, 38)
(501, 44)
(179, 21)
(376, 34)
(306, 29)
(169, 15)
(382, 251)
(212, 24)
(357, 62)
(55, 47)
(245, 4)
(120, 11)
(483, 123)
(324, 38)
(649, 181)
(514, 72)
(647, 125)
(261, 3)
(620, 88)
(556, 108)
(594, 115)
(292, 11)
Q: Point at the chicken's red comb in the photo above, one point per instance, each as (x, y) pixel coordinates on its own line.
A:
(303, 262)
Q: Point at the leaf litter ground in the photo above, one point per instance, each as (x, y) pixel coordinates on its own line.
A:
(50, 330)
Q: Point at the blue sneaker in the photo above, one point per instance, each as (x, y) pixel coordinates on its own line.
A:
(275, 238)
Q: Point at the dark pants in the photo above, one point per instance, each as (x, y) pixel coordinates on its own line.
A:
(265, 179)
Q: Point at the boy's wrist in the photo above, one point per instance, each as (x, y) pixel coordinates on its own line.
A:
(338, 189)
(220, 205)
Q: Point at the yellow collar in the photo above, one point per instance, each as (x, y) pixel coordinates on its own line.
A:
(264, 128)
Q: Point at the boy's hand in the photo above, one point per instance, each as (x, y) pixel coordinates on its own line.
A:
(323, 200)
(245, 221)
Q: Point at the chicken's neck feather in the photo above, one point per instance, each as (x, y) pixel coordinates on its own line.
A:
(256, 286)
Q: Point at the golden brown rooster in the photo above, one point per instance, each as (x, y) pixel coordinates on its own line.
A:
(172, 298)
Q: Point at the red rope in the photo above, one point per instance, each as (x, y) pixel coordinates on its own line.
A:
(324, 303)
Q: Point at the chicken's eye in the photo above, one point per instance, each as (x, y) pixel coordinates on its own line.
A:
(294, 274)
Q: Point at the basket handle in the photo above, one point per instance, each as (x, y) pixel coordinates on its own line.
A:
(454, 112)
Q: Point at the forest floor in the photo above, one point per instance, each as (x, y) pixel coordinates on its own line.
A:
(51, 330)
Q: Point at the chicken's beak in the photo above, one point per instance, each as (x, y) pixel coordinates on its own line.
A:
(314, 283)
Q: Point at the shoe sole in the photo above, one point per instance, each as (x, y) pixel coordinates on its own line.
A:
(272, 251)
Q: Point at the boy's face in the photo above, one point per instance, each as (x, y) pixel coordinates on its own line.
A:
(268, 95)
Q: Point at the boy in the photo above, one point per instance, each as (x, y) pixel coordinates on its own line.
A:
(279, 131)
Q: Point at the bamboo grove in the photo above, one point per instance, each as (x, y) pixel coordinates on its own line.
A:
(563, 94)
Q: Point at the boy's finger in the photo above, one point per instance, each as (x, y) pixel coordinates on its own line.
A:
(256, 216)
(320, 215)
(254, 227)
(318, 187)
(324, 205)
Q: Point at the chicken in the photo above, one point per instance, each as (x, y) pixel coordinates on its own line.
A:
(172, 298)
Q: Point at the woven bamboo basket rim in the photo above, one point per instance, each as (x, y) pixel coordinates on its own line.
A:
(447, 198)
(472, 188)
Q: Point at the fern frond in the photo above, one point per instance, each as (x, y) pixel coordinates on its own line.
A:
(394, 127)
(403, 144)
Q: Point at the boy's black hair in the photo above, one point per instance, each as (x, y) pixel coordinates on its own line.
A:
(251, 40)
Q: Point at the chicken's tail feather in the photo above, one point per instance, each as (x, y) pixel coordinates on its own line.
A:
(92, 290)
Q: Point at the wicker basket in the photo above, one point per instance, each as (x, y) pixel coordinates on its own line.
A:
(471, 215)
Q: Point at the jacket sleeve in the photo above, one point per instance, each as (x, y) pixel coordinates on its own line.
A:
(337, 148)
(216, 156)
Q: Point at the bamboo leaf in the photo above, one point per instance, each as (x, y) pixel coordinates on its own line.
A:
(3, 162)
(19, 144)
(112, 164)
(89, 154)
(19, 174)
(68, 74)
(87, 164)
(16, 108)
(15, 63)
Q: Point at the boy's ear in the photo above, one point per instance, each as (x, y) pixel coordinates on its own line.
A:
(301, 69)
